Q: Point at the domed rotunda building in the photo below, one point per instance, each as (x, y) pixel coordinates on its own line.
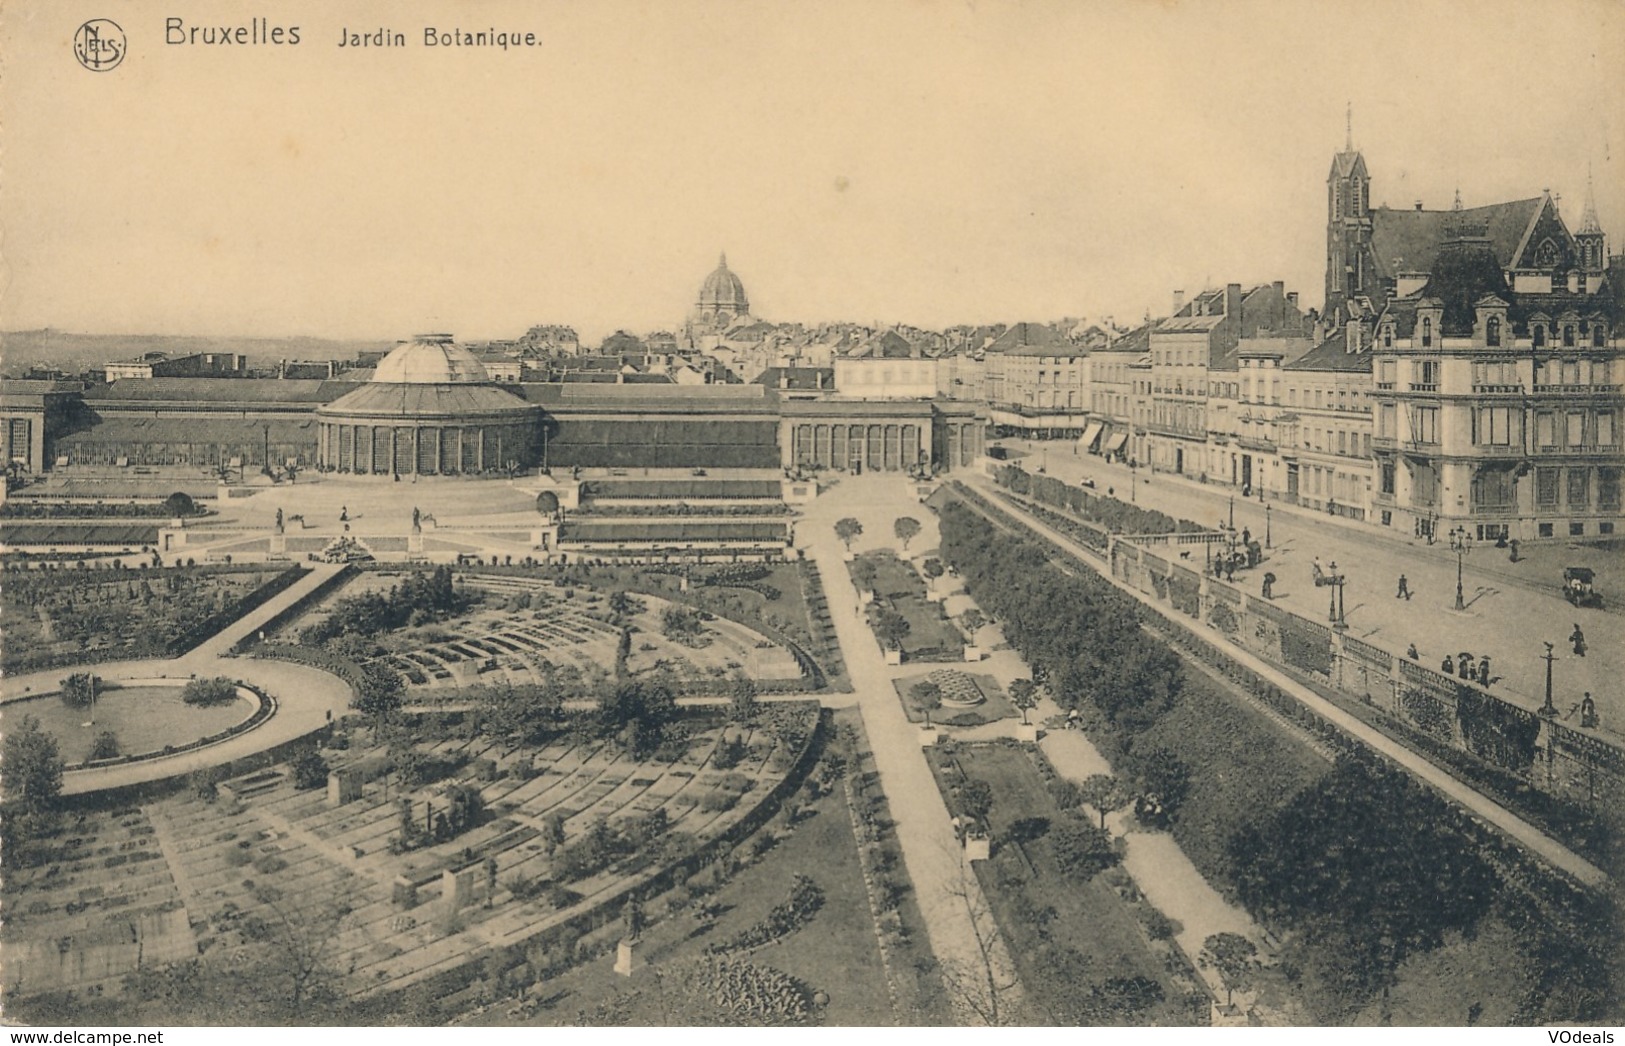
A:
(430, 409)
(721, 302)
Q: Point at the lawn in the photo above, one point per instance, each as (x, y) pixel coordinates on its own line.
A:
(931, 636)
(144, 718)
(1073, 943)
(994, 707)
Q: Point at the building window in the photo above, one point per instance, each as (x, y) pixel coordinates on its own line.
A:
(1388, 337)
(1576, 429)
(1425, 425)
(1386, 474)
(1579, 488)
(1577, 530)
(1545, 530)
(1546, 429)
(1492, 426)
(1342, 442)
(1568, 335)
(1427, 332)
(1546, 487)
(1492, 331)
(1537, 335)
(1606, 527)
(1598, 336)
(1493, 488)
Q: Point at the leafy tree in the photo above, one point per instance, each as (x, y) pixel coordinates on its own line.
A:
(31, 766)
(379, 693)
(932, 569)
(1234, 956)
(681, 624)
(79, 690)
(976, 798)
(927, 695)
(1166, 781)
(180, 503)
(553, 832)
(309, 769)
(1119, 997)
(891, 626)
(623, 653)
(848, 530)
(1024, 695)
(623, 605)
(1081, 849)
(742, 699)
(907, 528)
(1105, 793)
(865, 574)
(973, 621)
(105, 746)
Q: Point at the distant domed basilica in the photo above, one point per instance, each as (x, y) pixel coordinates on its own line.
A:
(430, 409)
(721, 304)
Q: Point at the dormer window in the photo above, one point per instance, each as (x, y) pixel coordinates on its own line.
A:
(1598, 336)
(1537, 335)
(1427, 332)
(1568, 335)
(1492, 331)
(1388, 337)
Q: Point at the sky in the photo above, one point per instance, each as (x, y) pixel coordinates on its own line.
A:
(891, 161)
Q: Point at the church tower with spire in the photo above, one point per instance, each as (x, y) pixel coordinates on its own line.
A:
(1348, 228)
(1590, 240)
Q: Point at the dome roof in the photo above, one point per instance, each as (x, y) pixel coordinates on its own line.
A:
(431, 359)
(722, 290)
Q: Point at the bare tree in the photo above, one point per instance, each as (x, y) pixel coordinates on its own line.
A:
(304, 938)
(983, 981)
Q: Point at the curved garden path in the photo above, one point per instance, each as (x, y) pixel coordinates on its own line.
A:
(307, 698)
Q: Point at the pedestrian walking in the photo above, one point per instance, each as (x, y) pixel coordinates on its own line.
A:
(1578, 638)
(1269, 585)
(1448, 667)
(1412, 653)
(1588, 712)
(1484, 670)
(1246, 537)
(1404, 588)
(1464, 663)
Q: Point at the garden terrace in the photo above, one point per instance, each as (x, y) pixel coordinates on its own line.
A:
(696, 489)
(63, 617)
(524, 627)
(217, 858)
(1118, 517)
(1079, 947)
(69, 534)
(651, 538)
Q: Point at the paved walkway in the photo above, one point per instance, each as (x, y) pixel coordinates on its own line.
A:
(307, 698)
(931, 852)
(1509, 611)
(1504, 820)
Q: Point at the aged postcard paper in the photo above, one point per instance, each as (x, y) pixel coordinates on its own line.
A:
(734, 513)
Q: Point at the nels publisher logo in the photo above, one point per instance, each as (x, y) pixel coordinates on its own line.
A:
(99, 45)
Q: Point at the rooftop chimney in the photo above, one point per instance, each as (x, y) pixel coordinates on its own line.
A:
(1418, 204)
(1179, 301)
(1232, 300)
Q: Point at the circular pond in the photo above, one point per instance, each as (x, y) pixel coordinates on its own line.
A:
(145, 718)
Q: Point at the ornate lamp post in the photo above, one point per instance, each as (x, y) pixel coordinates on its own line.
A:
(1267, 543)
(1548, 710)
(1460, 544)
(1232, 512)
(1334, 613)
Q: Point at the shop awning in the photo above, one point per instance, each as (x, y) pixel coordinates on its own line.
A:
(1091, 434)
(1115, 443)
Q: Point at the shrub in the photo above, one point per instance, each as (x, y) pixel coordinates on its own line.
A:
(208, 692)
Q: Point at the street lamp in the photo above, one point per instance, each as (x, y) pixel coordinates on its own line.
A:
(1460, 544)
(1267, 526)
(1548, 710)
(1131, 484)
(1334, 613)
(1232, 512)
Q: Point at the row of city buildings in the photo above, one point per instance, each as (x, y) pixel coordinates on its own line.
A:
(1465, 369)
